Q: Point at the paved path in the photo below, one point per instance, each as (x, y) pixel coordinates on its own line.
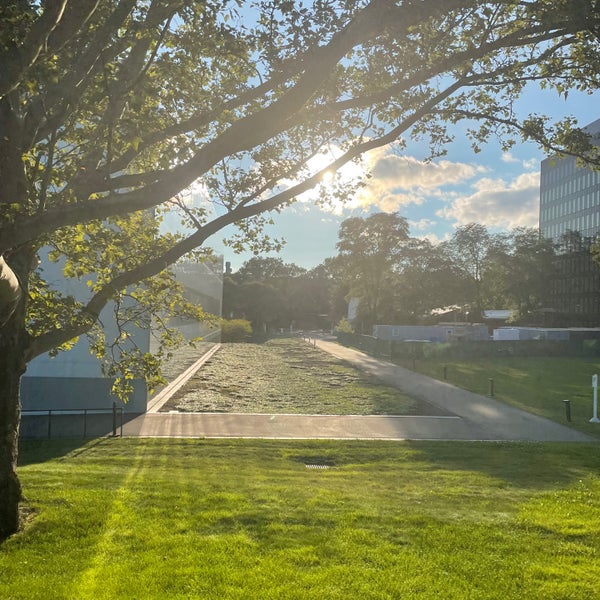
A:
(475, 417)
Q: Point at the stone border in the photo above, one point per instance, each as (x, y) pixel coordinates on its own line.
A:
(156, 403)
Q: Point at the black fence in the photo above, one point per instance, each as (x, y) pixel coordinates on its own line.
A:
(468, 349)
(63, 423)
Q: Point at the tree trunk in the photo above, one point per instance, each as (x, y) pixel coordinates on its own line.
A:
(12, 366)
(14, 341)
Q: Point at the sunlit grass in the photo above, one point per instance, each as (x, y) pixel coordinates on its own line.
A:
(247, 519)
(536, 384)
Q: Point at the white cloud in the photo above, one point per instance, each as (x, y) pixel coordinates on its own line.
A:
(395, 181)
(531, 164)
(401, 180)
(507, 157)
(497, 203)
(421, 224)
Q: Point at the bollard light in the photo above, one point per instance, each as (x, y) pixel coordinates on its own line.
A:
(567, 409)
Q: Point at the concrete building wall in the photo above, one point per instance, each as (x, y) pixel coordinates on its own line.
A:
(73, 380)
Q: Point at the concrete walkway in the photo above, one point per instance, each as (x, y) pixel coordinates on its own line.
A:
(474, 417)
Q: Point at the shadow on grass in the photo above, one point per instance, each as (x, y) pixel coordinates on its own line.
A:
(539, 465)
(33, 451)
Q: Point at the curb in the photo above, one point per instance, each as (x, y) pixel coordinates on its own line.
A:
(162, 397)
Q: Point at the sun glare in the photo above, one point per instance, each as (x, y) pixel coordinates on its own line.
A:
(327, 177)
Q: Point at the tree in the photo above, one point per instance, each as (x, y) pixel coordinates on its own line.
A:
(429, 280)
(470, 249)
(370, 249)
(110, 108)
(274, 294)
(262, 305)
(267, 269)
(257, 292)
(519, 276)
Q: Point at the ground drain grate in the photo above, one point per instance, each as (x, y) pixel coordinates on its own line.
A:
(317, 466)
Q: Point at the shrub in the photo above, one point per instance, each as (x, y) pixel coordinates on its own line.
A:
(235, 330)
(344, 326)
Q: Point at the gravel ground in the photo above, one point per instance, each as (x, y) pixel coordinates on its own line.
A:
(183, 358)
(287, 376)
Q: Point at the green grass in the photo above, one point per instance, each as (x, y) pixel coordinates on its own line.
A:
(288, 376)
(536, 384)
(246, 519)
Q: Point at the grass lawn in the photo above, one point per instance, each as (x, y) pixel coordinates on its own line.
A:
(225, 519)
(289, 376)
(536, 384)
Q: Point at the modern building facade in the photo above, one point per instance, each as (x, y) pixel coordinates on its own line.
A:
(73, 380)
(570, 196)
(570, 216)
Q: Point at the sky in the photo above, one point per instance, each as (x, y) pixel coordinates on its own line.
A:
(499, 190)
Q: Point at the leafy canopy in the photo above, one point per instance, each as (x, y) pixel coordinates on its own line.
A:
(112, 108)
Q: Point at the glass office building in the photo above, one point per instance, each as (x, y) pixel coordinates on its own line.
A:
(570, 196)
(570, 215)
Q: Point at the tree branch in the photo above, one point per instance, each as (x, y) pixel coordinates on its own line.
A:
(90, 313)
(17, 59)
(48, 112)
(528, 132)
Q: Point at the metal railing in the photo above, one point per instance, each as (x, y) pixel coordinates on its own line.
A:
(117, 417)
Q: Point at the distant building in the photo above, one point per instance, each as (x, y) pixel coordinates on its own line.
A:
(546, 333)
(443, 332)
(570, 196)
(570, 215)
(202, 284)
(530, 333)
(73, 380)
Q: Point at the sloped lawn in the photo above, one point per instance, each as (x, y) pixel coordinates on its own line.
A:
(535, 384)
(226, 519)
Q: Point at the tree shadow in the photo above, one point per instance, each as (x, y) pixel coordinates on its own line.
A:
(33, 451)
(524, 464)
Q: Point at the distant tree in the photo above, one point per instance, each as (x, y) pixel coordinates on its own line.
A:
(262, 304)
(519, 275)
(267, 269)
(572, 241)
(232, 298)
(331, 273)
(429, 280)
(470, 249)
(295, 297)
(370, 249)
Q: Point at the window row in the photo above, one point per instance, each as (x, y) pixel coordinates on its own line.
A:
(587, 225)
(570, 206)
(569, 188)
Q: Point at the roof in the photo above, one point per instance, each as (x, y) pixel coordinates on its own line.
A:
(502, 314)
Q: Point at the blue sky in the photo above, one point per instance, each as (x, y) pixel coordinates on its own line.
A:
(500, 190)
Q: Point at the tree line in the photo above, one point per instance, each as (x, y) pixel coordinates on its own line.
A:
(397, 279)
